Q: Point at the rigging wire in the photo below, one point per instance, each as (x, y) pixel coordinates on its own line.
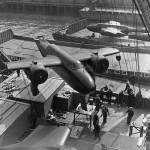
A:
(117, 18)
(108, 16)
(122, 44)
(130, 62)
(141, 17)
(137, 57)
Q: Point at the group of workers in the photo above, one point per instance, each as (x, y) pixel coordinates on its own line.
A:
(126, 97)
(96, 125)
(104, 113)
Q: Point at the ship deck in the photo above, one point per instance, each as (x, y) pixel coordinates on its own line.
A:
(114, 10)
(22, 48)
(124, 41)
(115, 133)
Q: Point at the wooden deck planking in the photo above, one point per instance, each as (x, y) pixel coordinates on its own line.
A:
(7, 113)
(5, 106)
(15, 112)
(13, 106)
(21, 48)
(128, 62)
(23, 87)
(44, 87)
(51, 90)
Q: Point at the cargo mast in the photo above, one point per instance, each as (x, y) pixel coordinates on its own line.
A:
(143, 7)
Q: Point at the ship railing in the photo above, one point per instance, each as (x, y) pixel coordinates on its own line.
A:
(47, 3)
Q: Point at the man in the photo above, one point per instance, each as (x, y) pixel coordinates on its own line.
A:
(97, 103)
(83, 102)
(109, 95)
(105, 112)
(130, 115)
(120, 99)
(101, 94)
(96, 125)
(131, 99)
(138, 99)
(127, 88)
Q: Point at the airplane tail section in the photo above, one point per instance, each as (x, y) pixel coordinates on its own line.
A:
(42, 46)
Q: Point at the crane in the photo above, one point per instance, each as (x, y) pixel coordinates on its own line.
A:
(143, 7)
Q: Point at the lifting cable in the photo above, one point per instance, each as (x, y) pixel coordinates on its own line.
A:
(137, 65)
(107, 10)
(137, 59)
(126, 21)
(121, 40)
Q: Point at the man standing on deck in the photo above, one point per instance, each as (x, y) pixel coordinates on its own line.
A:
(131, 99)
(130, 115)
(96, 125)
(97, 103)
(120, 99)
(138, 99)
(109, 96)
(101, 94)
(105, 112)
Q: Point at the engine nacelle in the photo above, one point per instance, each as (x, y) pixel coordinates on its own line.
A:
(38, 73)
(100, 64)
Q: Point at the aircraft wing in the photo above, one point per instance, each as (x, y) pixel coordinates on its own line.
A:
(46, 61)
(42, 138)
(85, 55)
(51, 61)
(110, 31)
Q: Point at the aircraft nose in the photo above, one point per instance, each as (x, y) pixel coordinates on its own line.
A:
(91, 28)
(90, 86)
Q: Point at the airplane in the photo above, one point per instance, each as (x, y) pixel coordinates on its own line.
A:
(113, 28)
(76, 69)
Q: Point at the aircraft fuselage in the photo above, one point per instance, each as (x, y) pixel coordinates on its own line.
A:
(71, 70)
(123, 28)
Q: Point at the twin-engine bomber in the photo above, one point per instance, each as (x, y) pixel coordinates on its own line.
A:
(77, 69)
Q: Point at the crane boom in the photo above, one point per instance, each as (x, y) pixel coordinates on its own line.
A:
(144, 7)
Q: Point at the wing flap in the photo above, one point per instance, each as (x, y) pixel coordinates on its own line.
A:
(107, 51)
(46, 61)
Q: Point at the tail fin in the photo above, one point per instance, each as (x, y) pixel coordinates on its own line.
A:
(42, 46)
